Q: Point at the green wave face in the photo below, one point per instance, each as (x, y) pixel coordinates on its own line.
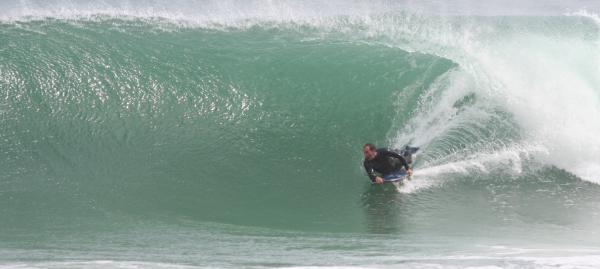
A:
(254, 127)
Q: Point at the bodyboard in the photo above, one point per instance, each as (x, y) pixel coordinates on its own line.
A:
(395, 177)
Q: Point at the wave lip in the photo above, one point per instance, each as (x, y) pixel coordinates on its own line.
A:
(232, 12)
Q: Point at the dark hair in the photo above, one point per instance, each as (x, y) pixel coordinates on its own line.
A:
(370, 146)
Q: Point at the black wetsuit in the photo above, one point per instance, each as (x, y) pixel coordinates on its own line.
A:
(385, 163)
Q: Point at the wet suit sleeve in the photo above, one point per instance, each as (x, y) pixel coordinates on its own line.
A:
(370, 171)
(397, 156)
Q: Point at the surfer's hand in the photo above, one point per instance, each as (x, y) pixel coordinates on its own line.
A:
(409, 172)
(378, 180)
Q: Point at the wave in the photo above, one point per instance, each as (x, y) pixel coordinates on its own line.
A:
(550, 74)
(102, 119)
(107, 110)
(229, 11)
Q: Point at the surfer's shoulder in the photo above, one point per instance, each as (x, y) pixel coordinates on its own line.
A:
(385, 151)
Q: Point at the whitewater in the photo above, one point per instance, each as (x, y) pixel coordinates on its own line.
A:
(228, 134)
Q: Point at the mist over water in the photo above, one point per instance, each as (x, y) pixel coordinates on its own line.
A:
(227, 134)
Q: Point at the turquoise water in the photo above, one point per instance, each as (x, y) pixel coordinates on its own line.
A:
(228, 135)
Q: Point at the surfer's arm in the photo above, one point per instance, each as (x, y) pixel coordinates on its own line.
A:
(370, 172)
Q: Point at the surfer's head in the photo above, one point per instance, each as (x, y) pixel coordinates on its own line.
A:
(370, 151)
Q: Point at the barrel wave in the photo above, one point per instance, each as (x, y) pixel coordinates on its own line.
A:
(159, 137)
(141, 119)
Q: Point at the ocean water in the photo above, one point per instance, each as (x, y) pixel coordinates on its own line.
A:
(228, 134)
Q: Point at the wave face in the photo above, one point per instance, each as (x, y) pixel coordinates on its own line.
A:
(208, 125)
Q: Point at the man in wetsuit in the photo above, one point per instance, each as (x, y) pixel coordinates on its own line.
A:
(382, 162)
